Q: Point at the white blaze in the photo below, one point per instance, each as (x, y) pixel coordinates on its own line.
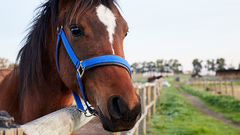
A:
(107, 17)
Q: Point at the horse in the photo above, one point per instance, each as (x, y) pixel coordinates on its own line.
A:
(93, 28)
(152, 79)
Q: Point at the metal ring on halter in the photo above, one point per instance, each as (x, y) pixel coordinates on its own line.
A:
(80, 68)
(58, 30)
(92, 112)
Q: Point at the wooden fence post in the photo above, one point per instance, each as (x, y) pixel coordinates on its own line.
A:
(215, 87)
(203, 85)
(136, 130)
(220, 87)
(11, 131)
(199, 84)
(149, 101)
(144, 130)
(232, 88)
(226, 86)
(154, 99)
(206, 84)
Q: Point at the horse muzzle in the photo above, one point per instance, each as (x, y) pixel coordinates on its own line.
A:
(122, 118)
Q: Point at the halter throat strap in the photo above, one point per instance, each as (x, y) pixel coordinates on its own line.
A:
(83, 65)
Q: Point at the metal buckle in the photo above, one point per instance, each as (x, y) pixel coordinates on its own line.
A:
(80, 69)
(58, 29)
(92, 112)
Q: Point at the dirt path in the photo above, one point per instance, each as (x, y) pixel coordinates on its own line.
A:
(205, 110)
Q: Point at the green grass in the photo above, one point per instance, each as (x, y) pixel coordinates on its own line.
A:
(175, 115)
(225, 105)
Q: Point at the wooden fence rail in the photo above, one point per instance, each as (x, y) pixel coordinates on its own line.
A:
(217, 86)
(68, 120)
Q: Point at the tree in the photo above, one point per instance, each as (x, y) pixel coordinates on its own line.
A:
(144, 67)
(3, 62)
(221, 64)
(175, 66)
(134, 66)
(151, 66)
(11, 65)
(159, 65)
(167, 66)
(138, 67)
(197, 66)
(211, 66)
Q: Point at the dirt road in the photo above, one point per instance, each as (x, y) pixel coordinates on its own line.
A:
(195, 101)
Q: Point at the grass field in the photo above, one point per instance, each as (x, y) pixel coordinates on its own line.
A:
(225, 105)
(175, 115)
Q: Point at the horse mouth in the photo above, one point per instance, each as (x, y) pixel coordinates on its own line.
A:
(117, 125)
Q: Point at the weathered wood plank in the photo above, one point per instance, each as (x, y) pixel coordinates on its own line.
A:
(61, 122)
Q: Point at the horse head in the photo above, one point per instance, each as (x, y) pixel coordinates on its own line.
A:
(95, 28)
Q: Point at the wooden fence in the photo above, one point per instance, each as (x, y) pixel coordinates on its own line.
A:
(149, 93)
(217, 86)
(68, 120)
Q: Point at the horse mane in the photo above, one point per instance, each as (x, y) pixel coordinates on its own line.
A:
(31, 56)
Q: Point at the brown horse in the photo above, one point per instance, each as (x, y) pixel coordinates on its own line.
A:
(151, 79)
(93, 28)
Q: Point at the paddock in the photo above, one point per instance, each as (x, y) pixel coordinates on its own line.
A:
(218, 86)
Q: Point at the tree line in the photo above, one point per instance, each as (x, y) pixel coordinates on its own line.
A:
(159, 65)
(211, 65)
(5, 63)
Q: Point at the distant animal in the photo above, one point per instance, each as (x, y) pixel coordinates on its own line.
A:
(45, 78)
(194, 75)
(152, 79)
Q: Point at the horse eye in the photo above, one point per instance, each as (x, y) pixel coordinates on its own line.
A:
(126, 34)
(76, 32)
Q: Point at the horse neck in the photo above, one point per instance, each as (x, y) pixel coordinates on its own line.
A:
(51, 93)
(52, 83)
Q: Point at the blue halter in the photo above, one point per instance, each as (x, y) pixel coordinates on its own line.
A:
(83, 65)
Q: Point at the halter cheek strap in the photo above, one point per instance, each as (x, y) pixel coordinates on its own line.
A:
(81, 66)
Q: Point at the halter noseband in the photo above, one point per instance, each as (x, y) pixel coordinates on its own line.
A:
(82, 65)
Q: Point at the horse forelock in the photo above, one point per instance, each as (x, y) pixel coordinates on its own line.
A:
(80, 6)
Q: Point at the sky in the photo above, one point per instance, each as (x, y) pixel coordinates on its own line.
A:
(158, 29)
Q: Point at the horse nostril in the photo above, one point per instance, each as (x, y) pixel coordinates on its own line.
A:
(116, 106)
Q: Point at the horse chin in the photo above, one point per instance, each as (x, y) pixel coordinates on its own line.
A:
(116, 125)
